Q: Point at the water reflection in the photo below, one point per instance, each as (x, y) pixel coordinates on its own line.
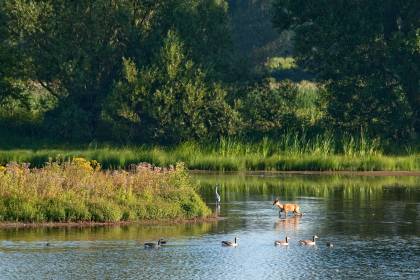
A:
(290, 187)
(286, 225)
(126, 232)
(372, 222)
(217, 210)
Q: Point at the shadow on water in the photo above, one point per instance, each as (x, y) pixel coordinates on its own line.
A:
(124, 232)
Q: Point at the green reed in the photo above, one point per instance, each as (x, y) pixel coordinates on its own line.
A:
(290, 151)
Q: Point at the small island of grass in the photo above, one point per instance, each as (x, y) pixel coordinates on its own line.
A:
(79, 191)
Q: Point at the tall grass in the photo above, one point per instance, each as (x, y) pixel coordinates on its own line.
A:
(79, 190)
(290, 151)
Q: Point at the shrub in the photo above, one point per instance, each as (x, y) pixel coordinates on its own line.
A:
(105, 211)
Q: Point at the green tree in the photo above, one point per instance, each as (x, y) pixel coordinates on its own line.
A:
(269, 110)
(367, 53)
(8, 63)
(74, 49)
(170, 101)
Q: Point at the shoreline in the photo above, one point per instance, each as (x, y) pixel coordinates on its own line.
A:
(22, 225)
(201, 158)
(263, 173)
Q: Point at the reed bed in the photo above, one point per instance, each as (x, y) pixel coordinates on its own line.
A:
(79, 190)
(288, 152)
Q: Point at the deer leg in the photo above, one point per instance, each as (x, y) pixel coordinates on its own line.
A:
(297, 212)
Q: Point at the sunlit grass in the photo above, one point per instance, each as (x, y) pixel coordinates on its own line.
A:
(291, 151)
(280, 63)
(78, 190)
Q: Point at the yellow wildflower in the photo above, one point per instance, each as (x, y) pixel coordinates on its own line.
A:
(82, 163)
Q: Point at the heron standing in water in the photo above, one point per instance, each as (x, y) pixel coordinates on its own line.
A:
(217, 197)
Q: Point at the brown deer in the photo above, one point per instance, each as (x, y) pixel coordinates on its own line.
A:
(289, 207)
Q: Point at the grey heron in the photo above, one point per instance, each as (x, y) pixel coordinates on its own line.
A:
(217, 196)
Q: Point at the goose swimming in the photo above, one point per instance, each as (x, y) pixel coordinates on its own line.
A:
(282, 242)
(231, 243)
(308, 242)
(154, 245)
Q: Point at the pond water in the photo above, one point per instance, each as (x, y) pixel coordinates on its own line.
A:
(373, 222)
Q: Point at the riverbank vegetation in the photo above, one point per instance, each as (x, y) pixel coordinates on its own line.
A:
(79, 191)
(290, 152)
(166, 81)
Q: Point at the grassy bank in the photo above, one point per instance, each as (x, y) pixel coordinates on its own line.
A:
(79, 191)
(287, 153)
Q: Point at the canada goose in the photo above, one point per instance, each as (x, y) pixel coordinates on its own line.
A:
(308, 242)
(329, 244)
(153, 245)
(217, 195)
(231, 243)
(282, 242)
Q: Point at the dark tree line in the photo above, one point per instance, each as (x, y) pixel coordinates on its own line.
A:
(166, 71)
(366, 53)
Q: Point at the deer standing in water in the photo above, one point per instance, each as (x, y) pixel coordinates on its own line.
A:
(289, 207)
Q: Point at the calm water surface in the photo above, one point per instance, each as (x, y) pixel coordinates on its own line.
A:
(374, 224)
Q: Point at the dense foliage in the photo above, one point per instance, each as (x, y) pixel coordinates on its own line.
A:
(171, 71)
(170, 101)
(367, 54)
(81, 51)
(79, 191)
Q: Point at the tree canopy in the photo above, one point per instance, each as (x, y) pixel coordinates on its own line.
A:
(366, 52)
(169, 71)
(76, 50)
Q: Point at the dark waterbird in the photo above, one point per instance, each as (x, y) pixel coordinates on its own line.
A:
(282, 242)
(308, 242)
(154, 245)
(231, 243)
